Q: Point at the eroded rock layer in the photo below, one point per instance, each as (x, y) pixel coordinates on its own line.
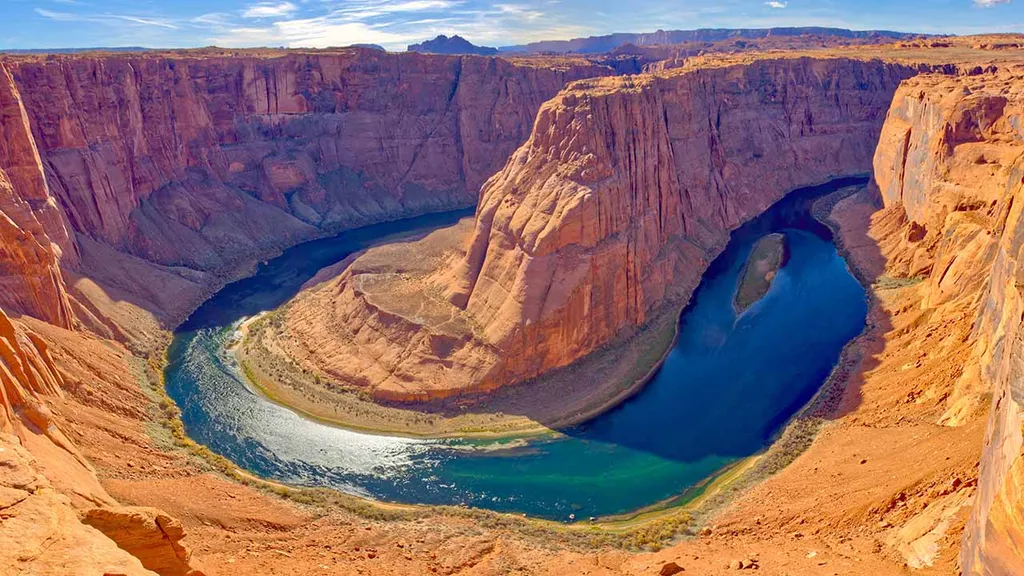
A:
(197, 162)
(33, 236)
(624, 192)
(951, 160)
(56, 518)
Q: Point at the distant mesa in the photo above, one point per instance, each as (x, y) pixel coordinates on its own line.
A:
(609, 42)
(30, 51)
(451, 45)
(370, 46)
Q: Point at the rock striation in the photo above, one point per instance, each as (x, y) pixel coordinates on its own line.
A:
(50, 499)
(951, 162)
(612, 210)
(34, 238)
(196, 162)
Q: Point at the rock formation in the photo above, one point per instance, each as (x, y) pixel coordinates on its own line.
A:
(50, 499)
(613, 208)
(609, 42)
(454, 45)
(197, 163)
(33, 236)
(140, 179)
(951, 159)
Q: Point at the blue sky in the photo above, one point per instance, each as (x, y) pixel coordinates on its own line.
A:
(395, 23)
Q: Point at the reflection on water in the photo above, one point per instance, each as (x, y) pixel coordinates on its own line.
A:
(722, 393)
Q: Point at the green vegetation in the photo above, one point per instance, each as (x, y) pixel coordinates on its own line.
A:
(886, 282)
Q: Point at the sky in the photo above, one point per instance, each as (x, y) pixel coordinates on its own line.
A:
(396, 23)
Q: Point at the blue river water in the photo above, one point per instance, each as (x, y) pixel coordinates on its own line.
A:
(722, 394)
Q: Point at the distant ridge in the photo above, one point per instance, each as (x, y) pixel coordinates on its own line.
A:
(73, 50)
(598, 44)
(454, 45)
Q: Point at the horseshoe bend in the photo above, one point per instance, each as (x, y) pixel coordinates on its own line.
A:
(346, 310)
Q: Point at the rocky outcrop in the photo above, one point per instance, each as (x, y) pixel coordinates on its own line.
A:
(48, 491)
(196, 162)
(951, 158)
(628, 188)
(147, 534)
(454, 45)
(612, 209)
(41, 533)
(27, 376)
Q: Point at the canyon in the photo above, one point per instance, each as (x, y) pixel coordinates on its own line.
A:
(132, 186)
(606, 217)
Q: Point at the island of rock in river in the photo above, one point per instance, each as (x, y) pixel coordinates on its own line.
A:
(766, 257)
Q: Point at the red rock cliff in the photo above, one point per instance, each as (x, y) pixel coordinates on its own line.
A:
(33, 236)
(199, 161)
(629, 186)
(626, 189)
(49, 494)
(951, 156)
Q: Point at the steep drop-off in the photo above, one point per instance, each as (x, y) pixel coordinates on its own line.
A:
(951, 162)
(132, 184)
(56, 517)
(606, 216)
(197, 162)
(34, 238)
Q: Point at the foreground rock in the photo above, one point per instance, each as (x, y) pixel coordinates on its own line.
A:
(49, 522)
(950, 161)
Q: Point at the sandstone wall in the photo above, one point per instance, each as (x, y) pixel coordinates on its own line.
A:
(951, 156)
(629, 186)
(57, 518)
(197, 161)
(33, 235)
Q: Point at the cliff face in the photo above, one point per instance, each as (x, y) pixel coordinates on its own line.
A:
(624, 192)
(627, 188)
(951, 159)
(196, 163)
(33, 236)
(57, 517)
(130, 182)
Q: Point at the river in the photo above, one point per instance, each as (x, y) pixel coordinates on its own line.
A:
(724, 391)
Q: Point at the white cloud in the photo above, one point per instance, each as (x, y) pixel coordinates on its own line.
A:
(776, 4)
(397, 23)
(212, 20)
(109, 19)
(990, 3)
(365, 10)
(269, 10)
(519, 10)
(146, 21)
